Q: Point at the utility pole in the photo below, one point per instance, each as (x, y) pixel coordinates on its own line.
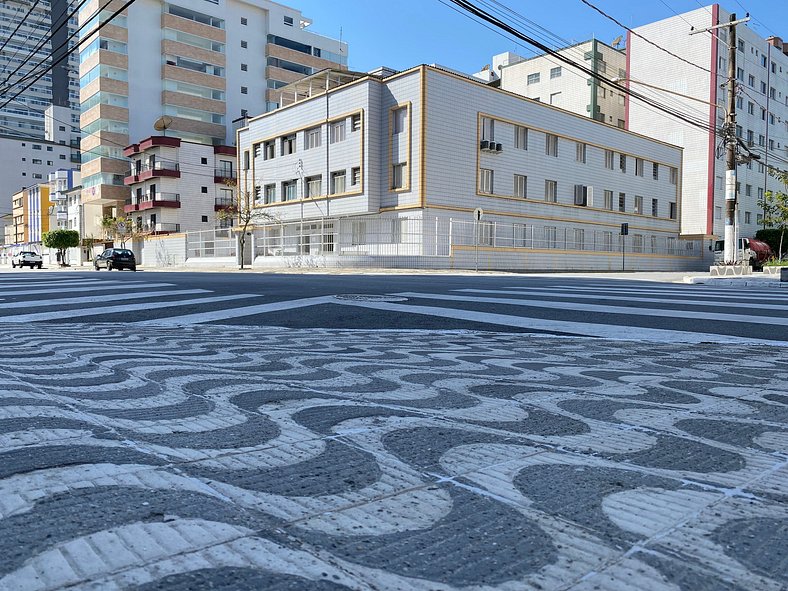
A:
(732, 255)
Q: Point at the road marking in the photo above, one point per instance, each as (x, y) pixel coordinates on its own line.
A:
(621, 333)
(688, 291)
(35, 283)
(94, 288)
(98, 299)
(646, 312)
(707, 303)
(200, 318)
(58, 315)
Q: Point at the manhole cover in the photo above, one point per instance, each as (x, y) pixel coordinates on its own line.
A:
(363, 297)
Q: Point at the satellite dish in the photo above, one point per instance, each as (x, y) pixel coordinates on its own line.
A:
(162, 123)
(617, 41)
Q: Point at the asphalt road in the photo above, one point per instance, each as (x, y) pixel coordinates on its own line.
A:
(553, 305)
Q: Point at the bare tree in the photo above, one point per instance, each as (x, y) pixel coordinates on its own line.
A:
(119, 229)
(245, 214)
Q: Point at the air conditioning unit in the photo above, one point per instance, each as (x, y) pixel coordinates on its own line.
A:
(484, 145)
(499, 147)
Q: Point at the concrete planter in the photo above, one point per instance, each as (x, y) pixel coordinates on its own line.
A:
(774, 270)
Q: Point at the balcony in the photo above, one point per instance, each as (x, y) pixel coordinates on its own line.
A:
(159, 228)
(172, 200)
(62, 216)
(223, 175)
(157, 168)
(76, 158)
(220, 203)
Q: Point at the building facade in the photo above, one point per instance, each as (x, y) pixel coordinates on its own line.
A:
(61, 185)
(425, 148)
(24, 116)
(179, 186)
(197, 65)
(549, 80)
(761, 111)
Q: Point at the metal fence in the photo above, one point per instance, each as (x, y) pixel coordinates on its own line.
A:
(415, 242)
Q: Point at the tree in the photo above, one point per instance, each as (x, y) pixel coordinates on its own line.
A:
(118, 229)
(61, 240)
(775, 209)
(244, 211)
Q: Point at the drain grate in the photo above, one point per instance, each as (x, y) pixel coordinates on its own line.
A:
(364, 297)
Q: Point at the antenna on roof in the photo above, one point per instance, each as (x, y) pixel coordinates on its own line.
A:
(617, 41)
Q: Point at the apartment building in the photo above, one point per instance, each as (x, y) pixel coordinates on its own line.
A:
(24, 116)
(30, 215)
(414, 154)
(178, 186)
(547, 79)
(61, 188)
(198, 65)
(761, 111)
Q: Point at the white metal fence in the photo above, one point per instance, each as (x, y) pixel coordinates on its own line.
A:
(430, 242)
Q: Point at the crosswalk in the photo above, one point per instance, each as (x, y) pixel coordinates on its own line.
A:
(592, 308)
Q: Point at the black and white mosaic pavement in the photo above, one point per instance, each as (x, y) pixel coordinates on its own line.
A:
(257, 458)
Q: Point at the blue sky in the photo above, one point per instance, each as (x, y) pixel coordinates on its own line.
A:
(404, 33)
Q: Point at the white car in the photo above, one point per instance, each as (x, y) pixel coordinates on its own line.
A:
(27, 258)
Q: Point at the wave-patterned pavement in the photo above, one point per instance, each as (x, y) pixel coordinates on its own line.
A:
(258, 458)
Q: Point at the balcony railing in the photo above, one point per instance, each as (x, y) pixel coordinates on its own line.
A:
(221, 175)
(149, 201)
(153, 169)
(222, 203)
(159, 228)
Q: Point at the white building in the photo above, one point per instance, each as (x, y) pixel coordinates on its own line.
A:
(178, 186)
(396, 166)
(200, 64)
(61, 185)
(549, 80)
(761, 111)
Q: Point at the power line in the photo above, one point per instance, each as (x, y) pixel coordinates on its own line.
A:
(70, 50)
(479, 13)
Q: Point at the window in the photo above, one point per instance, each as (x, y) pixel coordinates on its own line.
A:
(533, 78)
(638, 167)
(672, 212)
(580, 152)
(551, 237)
(37, 161)
(355, 176)
(289, 21)
(290, 190)
(312, 138)
(609, 159)
(550, 191)
(338, 182)
(244, 68)
(637, 242)
(204, 219)
(244, 44)
(62, 128)
(655, 171)
(674, 176)
(243, 20)
(398, 176)
(655, 208)
(488, 129)
(520, 185)
(36, 146)
(638, 204)
(555, 98)
(289, 144)
(520, 137)
(204, 190)
(555, 72)
(62, 156)
(244, 90)
(314, 186)
(747, 217)
(740, 45)
(355, 122)
(581, 195)
(751, 81)
(486, 181)
(269, 194)
(748, 190)
(269, 150)
(551, 145)
(622, 162)
(205, 160)
(337, 131)
(580, 239)
(622, 202)
(400, 117)
(609, 200)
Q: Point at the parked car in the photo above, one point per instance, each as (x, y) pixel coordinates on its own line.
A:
(753, 252)
(115, 258)
(27, 258)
